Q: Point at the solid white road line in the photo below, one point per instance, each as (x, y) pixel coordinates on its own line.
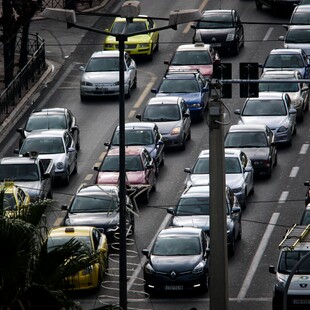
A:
(258, 255)
(268, 33)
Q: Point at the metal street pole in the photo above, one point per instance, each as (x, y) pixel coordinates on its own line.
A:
(218, 262)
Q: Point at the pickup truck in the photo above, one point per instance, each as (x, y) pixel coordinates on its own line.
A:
(34, 175)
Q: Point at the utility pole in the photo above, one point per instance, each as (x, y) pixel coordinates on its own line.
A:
(218, 262)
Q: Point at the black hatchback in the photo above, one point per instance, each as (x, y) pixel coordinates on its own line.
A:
(220, 28)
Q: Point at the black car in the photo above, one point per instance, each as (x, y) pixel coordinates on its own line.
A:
(222, 29)
(193, 209)
(177, 261)
(258, 142)
(146, 134)
(98, 206)
(277, 5)
(51, 118)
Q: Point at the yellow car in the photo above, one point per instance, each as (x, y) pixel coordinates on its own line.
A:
(14, 199)
(140, 44)
(96, 241)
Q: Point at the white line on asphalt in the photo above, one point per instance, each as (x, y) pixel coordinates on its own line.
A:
(147, 89)
(258, 255)
(294, 172)
(283, 197)
(58, 221)
(304, 149)
(131, 113)
(268, 33)
(143, 260)
(88, 177)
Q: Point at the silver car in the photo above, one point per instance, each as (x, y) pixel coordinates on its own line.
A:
(57, 145)
(100, 77)
(171, 115)
(273, 109)
(239, 173)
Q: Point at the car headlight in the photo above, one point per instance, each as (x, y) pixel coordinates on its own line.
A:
(88, 270)
(282, 129)
(144, 45)
(149, 269)
(109, 45)
(175, 131)
(85, 83)
(196, 105)
(237, 189)
(60, 165)
(230, 37)
(199, 268)
(116, 83)
(281, 281)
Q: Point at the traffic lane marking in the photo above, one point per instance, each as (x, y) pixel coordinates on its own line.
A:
(283, 197)
(294, 172)
(304, 149)
(268, 33)
(258, 256)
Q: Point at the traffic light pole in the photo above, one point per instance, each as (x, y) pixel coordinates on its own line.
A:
(218, 261)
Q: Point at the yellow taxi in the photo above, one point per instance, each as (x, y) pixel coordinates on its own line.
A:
(14, 198)
(140, 44)
(95, 241)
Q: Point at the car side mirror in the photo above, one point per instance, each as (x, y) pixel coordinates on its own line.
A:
(21, 131)
(307, 183)
(160, 142)
(64, 207)
(193, 27)
(139, 117)
(188, 170)
(292, 111)
(237, 111)
(187, 114)
(106, 144)
(281, 38)
(16, 151)
(171, 211)
(96, 168)
(82, 68)
(272, 269)
(154, 90)
(149, 166)
(146, 252)
(166, 62)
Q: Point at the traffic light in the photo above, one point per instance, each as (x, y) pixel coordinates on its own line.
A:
(248, 71)
(222, 71)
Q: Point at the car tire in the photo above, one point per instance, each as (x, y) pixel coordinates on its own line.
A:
(275, 160)
(205, 284)
(50, 194)
(231, 247)
(146, 197)
(157, 45)
(154, 184)
(128, 95)
(134, 85)
(75, 169)
(162, 163)
(269, 172)
(258, 5)
(236, 49)
(83, 98)
(189, 135)
(132, 230)
(151, 56)
(66, 181)
(183, 145)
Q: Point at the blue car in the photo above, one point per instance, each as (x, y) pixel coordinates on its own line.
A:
(191, 86)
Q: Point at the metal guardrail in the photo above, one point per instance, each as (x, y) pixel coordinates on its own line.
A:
(12, 94)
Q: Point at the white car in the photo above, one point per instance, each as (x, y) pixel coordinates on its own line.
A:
(57, 145)
(239, 173)
(298, 92)
(100, 77)
(273, 109)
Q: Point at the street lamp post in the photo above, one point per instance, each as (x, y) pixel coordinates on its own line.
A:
(129, 10)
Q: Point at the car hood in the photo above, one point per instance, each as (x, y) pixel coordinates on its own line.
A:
(188, 97)
(166, 127)
(205, 70)
(256, 153)
(139, 38)
(232, 180)
(133, 177)
(30, 187)
(270, 121)
(174, 263)
(61, 157)
(218, 34)
(98, 219)
(300, 285)
(109, 77)
(201, 221)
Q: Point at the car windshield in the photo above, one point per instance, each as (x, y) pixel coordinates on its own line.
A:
(93, 204)
(162, 113)
(46, 122)
(305, 220)
(246, 139)
(232, 165)
(216, 21)
(19, 172)
(300, 18)
(56, 242)
(191, 58)
(298, 36)
(44, 145)
(101, 64)
(135, 137)
(193, 206)
(136, 26)
(288, 260)
(264, 108)
(132, 162)
(279, 87)
(179, 86)
(284, 61)
(178, 245)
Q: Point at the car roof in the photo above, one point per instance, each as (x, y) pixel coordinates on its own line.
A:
(184, 75)
(268, 96)
(193, 191)
(104, 190)
(66, 231)
(47, 133)
(193, 47)
(99, 54)
(286, 51)
(281, 74)
(177, 231)
(206, 12)
(247, 127)
(228, 153)
(298, 27)
(165, 100)
(129, 150)
(48, 111)
(16, 160)
(138, 125)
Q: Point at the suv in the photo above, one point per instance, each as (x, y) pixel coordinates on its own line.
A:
(145, 134)
(298, 92)
(191, 86)
(194, 56)
(52, 118)
(193, 209)
(293, 269)
(172, 116)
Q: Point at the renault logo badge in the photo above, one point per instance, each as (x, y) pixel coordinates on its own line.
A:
(173, 274)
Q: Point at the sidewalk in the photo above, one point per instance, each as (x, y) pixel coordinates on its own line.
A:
(56, 52)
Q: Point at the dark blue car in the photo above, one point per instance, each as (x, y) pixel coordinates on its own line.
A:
(191, 86)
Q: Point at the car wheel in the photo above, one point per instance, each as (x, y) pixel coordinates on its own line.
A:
(239, 233)
(128, 95)
(157, 45)
(183, 145)
(205, 284)
(189, 135)
(146, 197)
(134, 85)
(231, 247)
(162, 163)
(243, 206)
(50, 194)
(97, 289)
(258, 5)
(269, 172)
(77, 145)
(275, 160)
(82, 97)
(132, 225)
(154, 184)
(236, 49)
(301, 116)
(150, 57)
(66, 181)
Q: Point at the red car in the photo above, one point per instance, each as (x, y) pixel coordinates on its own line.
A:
(140, 170)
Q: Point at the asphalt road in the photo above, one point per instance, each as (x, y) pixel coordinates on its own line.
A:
(276, 204)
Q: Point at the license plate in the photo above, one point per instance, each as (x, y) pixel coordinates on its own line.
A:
(301, 301)
(174, 287)
(216, 44)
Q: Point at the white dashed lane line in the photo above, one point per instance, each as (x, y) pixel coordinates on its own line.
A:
(294, 172)
(304, 149)
(283, 197)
